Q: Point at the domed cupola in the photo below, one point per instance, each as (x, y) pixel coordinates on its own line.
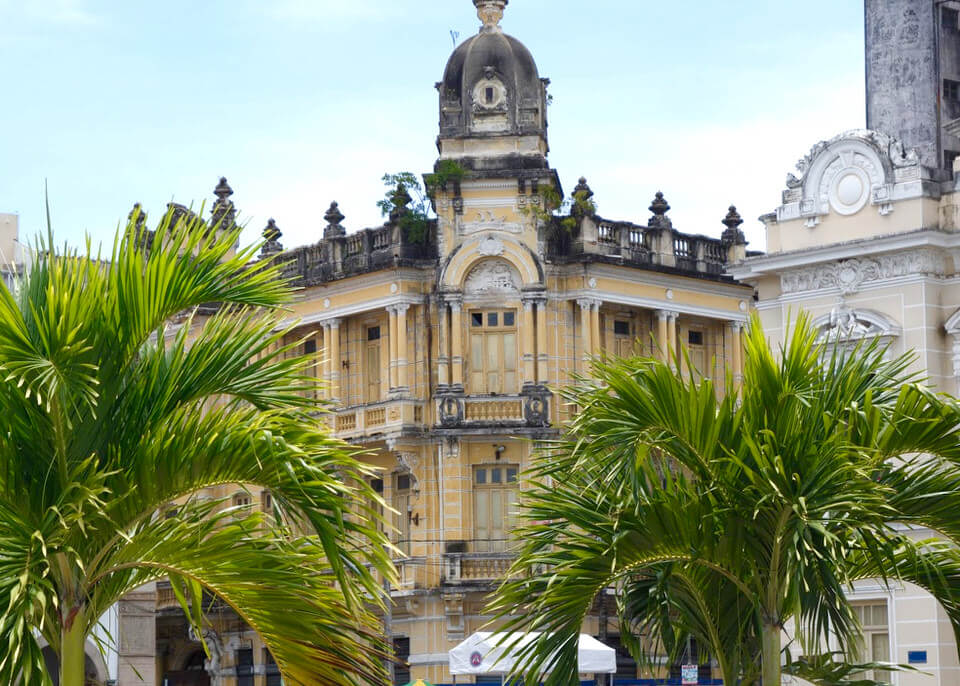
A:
(491, 90)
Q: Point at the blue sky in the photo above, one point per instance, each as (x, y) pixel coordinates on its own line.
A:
(300, 102)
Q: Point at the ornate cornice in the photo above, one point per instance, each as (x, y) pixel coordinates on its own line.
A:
(848, 276)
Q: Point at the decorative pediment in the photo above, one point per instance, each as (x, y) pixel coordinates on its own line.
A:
(847, 173)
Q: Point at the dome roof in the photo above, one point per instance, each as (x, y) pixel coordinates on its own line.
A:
(491, 86)
(509, 58)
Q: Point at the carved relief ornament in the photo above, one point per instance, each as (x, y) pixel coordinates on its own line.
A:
(847, 324)
(491, 246)
(492, 277)
(846, 173)
(486, 220)
(849, 275)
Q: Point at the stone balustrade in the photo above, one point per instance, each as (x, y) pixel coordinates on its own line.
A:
(493, 410)
(639, 245)
(390, 415)
(367, 250)
(339, 255)
(466, 568)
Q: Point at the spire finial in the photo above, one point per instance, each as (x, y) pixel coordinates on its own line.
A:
(490, 13)
(271, 234)
(334, 216)
(732, 234)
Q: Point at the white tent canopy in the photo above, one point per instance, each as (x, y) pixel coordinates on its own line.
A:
(498, 653)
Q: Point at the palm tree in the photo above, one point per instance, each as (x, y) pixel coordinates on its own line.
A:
(122, 396)
(729, 516)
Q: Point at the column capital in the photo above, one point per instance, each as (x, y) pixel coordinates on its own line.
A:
(332, 323)
(399, 308)
(589, 303)
(533, 296)
(664, 315)
(454, 299)
(736, 326)
(538, 299)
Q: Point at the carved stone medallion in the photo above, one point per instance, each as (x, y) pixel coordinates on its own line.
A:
(491, 247)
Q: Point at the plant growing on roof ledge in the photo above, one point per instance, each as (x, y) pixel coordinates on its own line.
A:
(408, 204)
(562, 218)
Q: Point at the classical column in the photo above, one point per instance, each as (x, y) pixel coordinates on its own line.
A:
(443, 344)
(586, 326)
(334, 350)
(543, 357)
(595, 327)
(392, 314)
(529, 346)
(325, 361)
(456, 340)
(736, 344)
(672, 328)
(402, 347)
(663, 340)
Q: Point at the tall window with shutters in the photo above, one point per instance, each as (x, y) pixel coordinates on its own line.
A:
(495, 494)
(875, 646)
(623, 338)
(401, 503)
(493, 351)
(372, 370)
(697, 350)
(307, 347)
(374, 505)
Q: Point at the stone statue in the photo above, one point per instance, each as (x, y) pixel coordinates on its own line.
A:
(211, 640)
(844, 323)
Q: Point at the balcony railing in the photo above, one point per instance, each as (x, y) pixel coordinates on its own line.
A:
(527, 409)
(493, 410)
(467, 568)
(390, 415)
(411, 573)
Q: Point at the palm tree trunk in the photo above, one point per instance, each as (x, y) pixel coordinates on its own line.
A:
(72, 656)
(770, 656)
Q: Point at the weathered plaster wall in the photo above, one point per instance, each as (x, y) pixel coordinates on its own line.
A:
(901, 73)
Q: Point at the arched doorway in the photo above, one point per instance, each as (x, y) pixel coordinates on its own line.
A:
(53, 668)
(192, 673)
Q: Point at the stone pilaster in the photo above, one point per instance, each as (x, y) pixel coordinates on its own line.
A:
(137, 637)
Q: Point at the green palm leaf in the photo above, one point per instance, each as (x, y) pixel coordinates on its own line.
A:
(136, 382)
(725, 516)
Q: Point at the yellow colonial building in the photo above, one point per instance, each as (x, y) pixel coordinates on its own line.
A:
(442, 352)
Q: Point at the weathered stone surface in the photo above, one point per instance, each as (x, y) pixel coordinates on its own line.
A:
(901, 66)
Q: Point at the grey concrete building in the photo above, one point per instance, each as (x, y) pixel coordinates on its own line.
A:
(913, 76)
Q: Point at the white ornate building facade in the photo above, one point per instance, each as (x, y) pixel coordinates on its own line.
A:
(866, 239)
